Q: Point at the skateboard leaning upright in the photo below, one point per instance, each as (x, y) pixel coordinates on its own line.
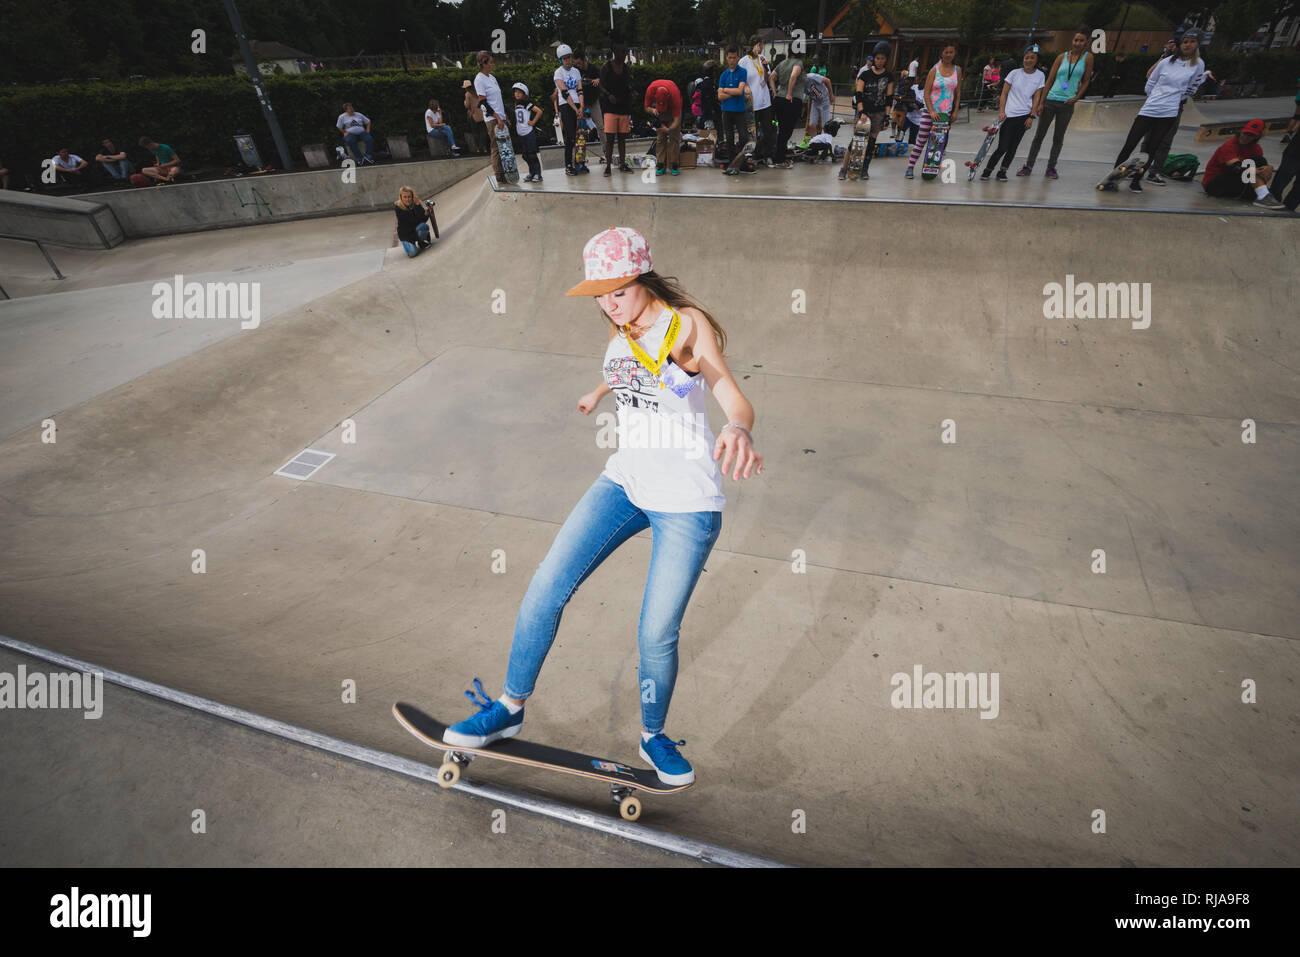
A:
(509, 168)
(974, 164)
(623, 781)
(935, 146)
(580, 146)
(855, 155)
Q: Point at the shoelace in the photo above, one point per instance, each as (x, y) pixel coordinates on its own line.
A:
(486, 703)
(668, 744)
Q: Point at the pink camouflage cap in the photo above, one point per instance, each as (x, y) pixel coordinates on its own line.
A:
(612, 259)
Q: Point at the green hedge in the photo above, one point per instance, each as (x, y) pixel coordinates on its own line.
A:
(199, 116)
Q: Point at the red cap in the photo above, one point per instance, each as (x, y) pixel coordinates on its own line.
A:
(1254, 126)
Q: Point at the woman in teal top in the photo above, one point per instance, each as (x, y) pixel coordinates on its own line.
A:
(1065, 86)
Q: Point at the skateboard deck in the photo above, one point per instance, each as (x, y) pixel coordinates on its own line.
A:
(580, 145)
(857, 151)
(743, 155)
(934, 148)
(622, 779)
(973, 165)
(508, 165)
(1126, 168)
(433, 220)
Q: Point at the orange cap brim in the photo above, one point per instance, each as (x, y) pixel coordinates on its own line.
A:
(598, 287)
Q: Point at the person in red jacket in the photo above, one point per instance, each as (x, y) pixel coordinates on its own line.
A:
(1228, 177)
(663, 101)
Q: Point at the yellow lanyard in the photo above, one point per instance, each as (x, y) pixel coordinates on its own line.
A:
(644, 357)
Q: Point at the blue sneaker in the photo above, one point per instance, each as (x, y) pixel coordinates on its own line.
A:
(492, 723)
(661, 751)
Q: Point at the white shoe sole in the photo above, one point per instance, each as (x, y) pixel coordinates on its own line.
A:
(457, 739)
(687, 778)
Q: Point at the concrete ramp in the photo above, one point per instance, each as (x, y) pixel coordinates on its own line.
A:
(1115, 115)
(59, 221)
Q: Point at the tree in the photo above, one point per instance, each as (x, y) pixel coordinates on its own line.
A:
(980, 20)
(1102, 12)
(740, 19)
(652, 20)
(1237, 20)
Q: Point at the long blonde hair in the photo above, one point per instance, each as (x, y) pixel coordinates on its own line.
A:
(667, 290)
(413, 196)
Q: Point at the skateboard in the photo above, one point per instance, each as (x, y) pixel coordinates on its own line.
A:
(744, 157)
(933, 158)
(857, 151)
(433, 220)
(507, 152)
(580, 145)
(974, 164)
(1126, 168)
(623, 781)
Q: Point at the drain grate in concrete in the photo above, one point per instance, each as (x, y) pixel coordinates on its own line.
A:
(305, 464)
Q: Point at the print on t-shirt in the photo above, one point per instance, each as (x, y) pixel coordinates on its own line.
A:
(632, 383)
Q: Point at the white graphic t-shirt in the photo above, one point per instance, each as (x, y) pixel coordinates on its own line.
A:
(570, 81)
(665, 456)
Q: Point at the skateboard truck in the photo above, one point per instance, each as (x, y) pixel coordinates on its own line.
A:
(629, 807)
(452, 763)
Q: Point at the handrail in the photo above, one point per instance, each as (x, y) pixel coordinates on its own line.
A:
(28, 239)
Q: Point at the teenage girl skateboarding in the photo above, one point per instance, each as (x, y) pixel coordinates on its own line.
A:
(664, 354)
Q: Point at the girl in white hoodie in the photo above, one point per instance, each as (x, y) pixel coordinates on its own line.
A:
(1173, 80)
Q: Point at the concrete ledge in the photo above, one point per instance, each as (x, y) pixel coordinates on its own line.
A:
(59, 220)
(1223, 131)
(274, 198)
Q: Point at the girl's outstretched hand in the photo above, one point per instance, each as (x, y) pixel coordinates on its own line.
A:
(737, 445)
(587, 403)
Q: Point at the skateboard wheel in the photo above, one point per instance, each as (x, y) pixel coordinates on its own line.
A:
(448, 774)
(629, 808)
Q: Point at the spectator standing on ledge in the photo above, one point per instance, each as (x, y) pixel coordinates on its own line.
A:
(732, 87)
(568, 89)
(758, 77)
(491, 105)
(1066, 84)
(1022, 99)
(1171, 82)
(1167, 141)
(790, 83)
(616, 93)
(527, 113)
(873, 90)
